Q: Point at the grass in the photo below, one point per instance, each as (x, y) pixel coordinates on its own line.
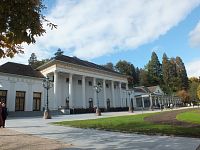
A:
(132, 124)
(190, 116)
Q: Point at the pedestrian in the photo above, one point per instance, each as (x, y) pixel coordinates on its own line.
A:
(4, 114)
(1, 120)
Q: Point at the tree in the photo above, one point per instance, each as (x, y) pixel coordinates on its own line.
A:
(184, 96)
(182, 74)
(59, 53)
(36, 63)
(193, 85)
(154, 70)
(198, 92)
(166, 73)
(32, 60)
(143, 78)
(109, 65)
(20, 22)
(127, 68)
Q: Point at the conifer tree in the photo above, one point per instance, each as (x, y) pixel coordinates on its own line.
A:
(182, 74)
(154, 70)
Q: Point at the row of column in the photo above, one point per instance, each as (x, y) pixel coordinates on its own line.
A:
(56, 92)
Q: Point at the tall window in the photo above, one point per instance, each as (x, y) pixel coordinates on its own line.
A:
(3, 96)
(20, 101)
(36, 101)
(90, 103)
(108, 103)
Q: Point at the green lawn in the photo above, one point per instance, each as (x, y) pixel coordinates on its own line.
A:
(132, 124)
(191, 116)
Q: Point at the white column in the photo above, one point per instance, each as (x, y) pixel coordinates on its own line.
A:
(126, 86)
(104, 93)
(56, 100)
(71, 104)
(11, 99)
(151, 103)
(120, 94)
(142, 102)
(95, 93)
(83, 92)
(29, 98)
(113, 93)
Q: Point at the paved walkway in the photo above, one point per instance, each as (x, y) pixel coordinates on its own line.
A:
(89, 139)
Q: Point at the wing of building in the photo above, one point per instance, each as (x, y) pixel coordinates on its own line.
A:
(73, 85)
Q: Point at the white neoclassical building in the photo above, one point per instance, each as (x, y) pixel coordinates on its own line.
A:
(73, 86)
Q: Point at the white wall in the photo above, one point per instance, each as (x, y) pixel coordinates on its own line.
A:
(13, 83)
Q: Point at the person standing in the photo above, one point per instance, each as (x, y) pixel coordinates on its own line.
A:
(4, 114)
(1, 120)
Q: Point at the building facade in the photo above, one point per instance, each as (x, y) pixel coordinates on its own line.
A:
(73, 85)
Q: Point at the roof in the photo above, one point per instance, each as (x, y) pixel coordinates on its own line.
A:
(141, 89)
(75, 60)
(152, 88)
(20, 69)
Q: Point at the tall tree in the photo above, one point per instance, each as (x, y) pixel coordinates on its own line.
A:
(59, 52)
(36, 63)
(182, 74)
(193, 85)
(20, 22)
(32, 60)
(154, 70)
(165, 73)
(127, 68)
(143, 78)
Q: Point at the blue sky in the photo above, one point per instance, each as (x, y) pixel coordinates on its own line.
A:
(104, 31)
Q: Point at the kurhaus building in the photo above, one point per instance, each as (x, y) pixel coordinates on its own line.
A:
(73, 85)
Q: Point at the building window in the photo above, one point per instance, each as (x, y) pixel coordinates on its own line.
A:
(107, 85)
(36, 101)
(115, 86)
(20, 101)
(90, 103)
(67, 80)
(67, 102)
(79, 82)
(3, 96)
(108, 103)
(90, 83)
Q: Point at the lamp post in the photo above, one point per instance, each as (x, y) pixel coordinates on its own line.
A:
(130, 109)
(98, 89)
(47, 84)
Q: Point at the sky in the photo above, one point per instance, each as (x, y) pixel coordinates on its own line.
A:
(103, 31)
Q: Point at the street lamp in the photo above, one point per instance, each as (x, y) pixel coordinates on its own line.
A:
(47, 84)
(131, 101)
(98, 89)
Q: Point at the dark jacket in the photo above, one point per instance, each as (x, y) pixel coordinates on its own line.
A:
(4, 113)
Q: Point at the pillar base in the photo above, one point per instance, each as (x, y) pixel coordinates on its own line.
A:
(47, 114)
(130, 109)
(98, 112)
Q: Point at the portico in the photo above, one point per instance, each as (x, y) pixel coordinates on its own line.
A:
(74, 85)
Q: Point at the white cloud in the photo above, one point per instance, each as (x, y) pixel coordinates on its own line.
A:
(93, 28)
(194, 36)
(193, 68)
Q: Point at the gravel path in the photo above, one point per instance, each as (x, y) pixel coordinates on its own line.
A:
(13, 140)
